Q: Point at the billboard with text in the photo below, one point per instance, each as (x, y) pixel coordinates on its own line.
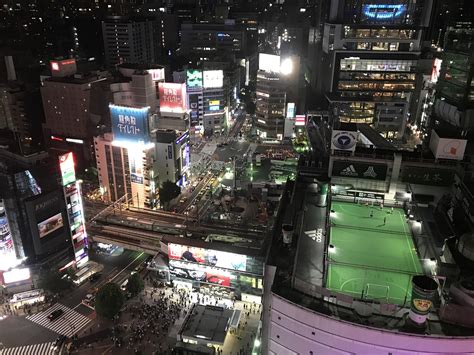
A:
(172, 97)
(130, 124)
(50, 225)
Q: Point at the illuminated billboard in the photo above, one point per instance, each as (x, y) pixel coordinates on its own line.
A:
(50, 225)
(383, 12)
(61, 68)
(290, 110)
(157, 74)
(201, 273)
(213, 79)
(130, 124)
(135, 157)
(214, 105)
(66, 165)
(207, 257)
(269, 62)
(300, 120)
(16, 275)
(194, 78)
(172, 97)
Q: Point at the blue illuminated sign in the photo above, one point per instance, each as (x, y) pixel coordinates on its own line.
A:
(130, 124)
(214, 108)
(383, 11)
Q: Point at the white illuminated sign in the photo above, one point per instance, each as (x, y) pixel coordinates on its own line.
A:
(213, 79)
(16, 275)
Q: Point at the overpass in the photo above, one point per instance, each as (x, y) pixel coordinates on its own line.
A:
(143, 230)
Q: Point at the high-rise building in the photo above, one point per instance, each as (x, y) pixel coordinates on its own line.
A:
(454, 97)
(271, 100)
(211, 39)
(66, 98)
(129, 40)
(370, 68)
(33, 212)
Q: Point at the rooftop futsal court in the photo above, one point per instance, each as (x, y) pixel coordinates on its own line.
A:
(371, 253)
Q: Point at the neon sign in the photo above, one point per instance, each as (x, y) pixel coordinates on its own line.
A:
(384, 11)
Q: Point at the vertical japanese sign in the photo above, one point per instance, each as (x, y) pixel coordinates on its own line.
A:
(75, 211)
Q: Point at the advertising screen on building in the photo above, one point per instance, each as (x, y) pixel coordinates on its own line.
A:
(135, 157)
(300, 120)
(172, 97)
(379, 12)
(269, 62)
(214, 105)
(66, 165)
(447, 148)
(427, 176)
(207, 257)
(213, 79)
(200, 273)
(50, 225)
(290, 110)
(130, 124)
(359, 170)
(16, 275)
(194, 78)
(157, 74)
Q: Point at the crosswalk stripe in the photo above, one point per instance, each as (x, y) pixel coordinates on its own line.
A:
(32, 349)
(68, 324)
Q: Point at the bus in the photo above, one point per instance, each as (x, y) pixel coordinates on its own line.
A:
(258, 160)
(28, 297)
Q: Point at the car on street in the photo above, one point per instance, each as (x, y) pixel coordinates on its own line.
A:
(55, 315)
(95, 277)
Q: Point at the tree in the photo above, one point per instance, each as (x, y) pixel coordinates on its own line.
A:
(109, 300)
(135, 284)
(52, 281)
(168, 191)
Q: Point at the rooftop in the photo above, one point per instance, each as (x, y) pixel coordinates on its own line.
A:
(207, 323)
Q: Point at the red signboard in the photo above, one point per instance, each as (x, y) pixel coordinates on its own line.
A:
(300, 120)
(172, 97)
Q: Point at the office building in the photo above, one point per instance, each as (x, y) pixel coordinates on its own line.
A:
(271, 100)
(454, 96)
(66, 99)
(207, 40)
(370, 62)
(129, 40)
(33, 214)
(126, 172)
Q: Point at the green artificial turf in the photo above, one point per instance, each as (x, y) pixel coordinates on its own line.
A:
(371, 259)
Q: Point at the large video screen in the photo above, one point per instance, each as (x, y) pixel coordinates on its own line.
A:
(194, 78)
(208, 257)
(200, 273)
(383, 12)
(50, 225)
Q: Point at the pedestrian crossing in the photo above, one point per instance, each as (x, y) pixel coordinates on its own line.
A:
(34, 349)
(68, 324)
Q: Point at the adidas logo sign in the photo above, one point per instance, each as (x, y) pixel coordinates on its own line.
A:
(370, 172)
(316, 235)
(349, 171)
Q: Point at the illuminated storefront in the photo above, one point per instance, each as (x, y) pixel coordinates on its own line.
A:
(241, 275)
